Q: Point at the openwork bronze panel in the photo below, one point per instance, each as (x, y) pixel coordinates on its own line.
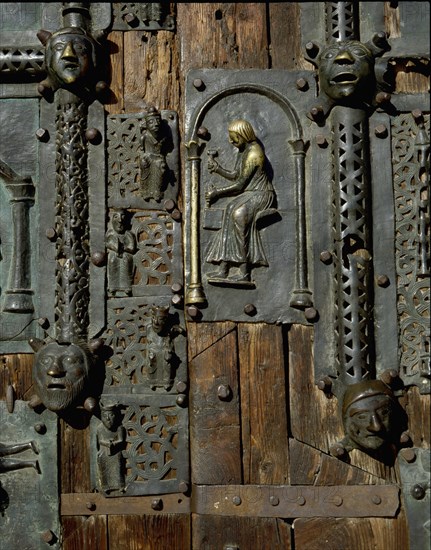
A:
(153, 455)
(411, 150)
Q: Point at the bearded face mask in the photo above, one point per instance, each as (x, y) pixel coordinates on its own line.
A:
(60, 373)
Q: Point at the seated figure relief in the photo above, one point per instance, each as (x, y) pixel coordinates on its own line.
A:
(237, 247)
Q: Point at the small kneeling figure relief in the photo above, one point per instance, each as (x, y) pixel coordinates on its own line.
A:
(162, 360)
(153, 165)
(238, 243)
(110, 442)
(121, 245)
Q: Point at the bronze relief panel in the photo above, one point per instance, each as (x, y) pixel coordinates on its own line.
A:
(245, 227)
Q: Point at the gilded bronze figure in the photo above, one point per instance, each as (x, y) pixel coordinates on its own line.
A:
(110, 442)
(60, 373)
(238, 243)
(9, 464)
(153, 160)
(121, 245)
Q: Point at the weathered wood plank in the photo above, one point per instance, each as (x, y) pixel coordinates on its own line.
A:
(215, 445)
(308, 466)
(75, 454)
(349, 533)
(149, 532)
(418, 410)
(16, 371)
(263, 403)
(115, 104)
(314, 418)
(222, 35)
(210, 532)
(201, 336)
(151, 74)
(84, 533)
(285, 36)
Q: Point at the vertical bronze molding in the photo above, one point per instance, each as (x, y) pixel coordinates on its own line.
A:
(18, 296)
(301, 295)
(353, 246)
(195, 292)
(72, 224)
(341, 21)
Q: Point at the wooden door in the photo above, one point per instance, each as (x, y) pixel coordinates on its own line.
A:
(262, 422)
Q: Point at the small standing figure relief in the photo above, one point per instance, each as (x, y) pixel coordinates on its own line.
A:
(110, 442)
(162, 360)
(154, 169)
(121, 245)
(9, 464)
(238, 243)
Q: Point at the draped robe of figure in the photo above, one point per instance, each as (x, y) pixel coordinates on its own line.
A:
(238, 241)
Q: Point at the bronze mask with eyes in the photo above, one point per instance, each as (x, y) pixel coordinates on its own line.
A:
(60, 373)
(369, 410)
(346, 71)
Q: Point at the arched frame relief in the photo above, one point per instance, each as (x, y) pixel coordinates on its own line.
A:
(299, 296)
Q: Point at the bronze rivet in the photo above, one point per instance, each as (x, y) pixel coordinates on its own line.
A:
(98, 258)
(51, 234)
(96, 344)
(382, 98)
(181, 386)
(183, 486)
(316, 112)
(90, 404)
(325, 257)
(42, 135)
(418, 492)
(47, 536)
(43, 322)
(383, 280)
(169, 205)
(311, 48)
(376, 500)
(409, 455)
(381, 131)
(389, 376)
(177, 288)
(194, 312)
(157, 504)
(311, 314)
(302, 84)
(236, 500)
(325, 383)
(224, 392)
(250, 309)
(93, 135)
(181, 400)
(275, 501)
(176, 215)
(405, 437)
(90, 506)
(301, 501)
(176, 300)
(131, 19)
(40, 428)
(198, 84)
(337, 501)
(417, 114)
